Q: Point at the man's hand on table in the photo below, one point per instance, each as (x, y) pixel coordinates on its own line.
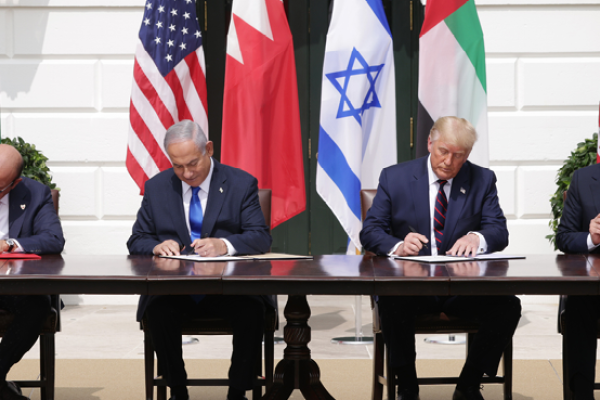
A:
(465, 246)
(166, 248)
(595, 230)
(4, 247)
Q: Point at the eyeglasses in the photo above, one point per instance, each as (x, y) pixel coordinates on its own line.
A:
(8, 187)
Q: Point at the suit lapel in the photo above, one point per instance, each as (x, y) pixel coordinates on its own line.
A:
(595, 189)
(176, 212)
(461, 186)
(19, 199)
(420, 187)
(216, 197)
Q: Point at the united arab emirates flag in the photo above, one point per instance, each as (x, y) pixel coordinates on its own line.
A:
(452, 79)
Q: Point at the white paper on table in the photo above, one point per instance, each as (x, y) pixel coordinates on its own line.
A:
(434, 259)
(197, 258)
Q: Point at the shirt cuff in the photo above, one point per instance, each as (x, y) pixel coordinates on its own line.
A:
(18, 248)
(590, 244)
(230, 249)
(391, 253)
(482, 243)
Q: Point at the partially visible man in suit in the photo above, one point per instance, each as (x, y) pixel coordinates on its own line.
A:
(441, 204)
(214, 209)
(579, 232)
(28, 224)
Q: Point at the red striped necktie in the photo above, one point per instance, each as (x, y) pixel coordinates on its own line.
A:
(439, 214)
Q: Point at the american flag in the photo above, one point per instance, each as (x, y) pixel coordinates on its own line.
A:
(169, 83)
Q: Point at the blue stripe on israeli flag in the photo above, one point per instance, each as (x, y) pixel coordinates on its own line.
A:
(357, 136)
(336, 166)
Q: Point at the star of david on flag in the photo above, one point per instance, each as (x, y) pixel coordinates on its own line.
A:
(357, 135)
(364, 70)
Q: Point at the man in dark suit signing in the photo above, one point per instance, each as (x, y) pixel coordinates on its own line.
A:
(441, 204)
(214, 209)
(28, 224)
(579, 232)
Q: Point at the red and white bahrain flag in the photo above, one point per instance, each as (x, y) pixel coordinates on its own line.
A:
(261, 117)
(169, 84)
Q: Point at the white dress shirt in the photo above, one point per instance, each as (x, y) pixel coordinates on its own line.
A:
(4, 217)
(4, 222)
(434, 186)
(186, 194)
(591, 246)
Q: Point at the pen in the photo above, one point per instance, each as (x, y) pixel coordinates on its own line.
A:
(413, 230)
(188, 252)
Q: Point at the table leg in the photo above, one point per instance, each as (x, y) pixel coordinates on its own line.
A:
(297, 370)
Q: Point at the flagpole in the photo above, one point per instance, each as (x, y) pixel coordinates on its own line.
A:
(358, 337)
(357, 120)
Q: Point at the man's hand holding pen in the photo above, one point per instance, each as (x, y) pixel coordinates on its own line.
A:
(209, 247)
(413, 243)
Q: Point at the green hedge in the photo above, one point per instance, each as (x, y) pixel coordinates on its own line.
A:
(35, 162)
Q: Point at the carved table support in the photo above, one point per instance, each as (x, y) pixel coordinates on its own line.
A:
(297, 370)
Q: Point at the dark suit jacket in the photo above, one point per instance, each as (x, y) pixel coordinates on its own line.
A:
(32, 219)
(232, 212)
(581, 206)
(402, 200)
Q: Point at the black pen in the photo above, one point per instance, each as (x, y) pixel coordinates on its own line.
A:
(413, 230)
(188, 252)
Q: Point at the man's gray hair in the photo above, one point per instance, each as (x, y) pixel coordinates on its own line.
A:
(186, 130)
(454, 130)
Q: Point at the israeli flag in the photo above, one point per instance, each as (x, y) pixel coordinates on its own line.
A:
(357, 136)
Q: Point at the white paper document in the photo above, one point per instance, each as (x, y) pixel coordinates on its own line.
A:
(266, 256)
(434, 259)
(449, 259)
(277, 256)
(497, 256)
(197, 258)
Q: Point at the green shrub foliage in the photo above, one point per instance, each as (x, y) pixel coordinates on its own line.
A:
(34, 161)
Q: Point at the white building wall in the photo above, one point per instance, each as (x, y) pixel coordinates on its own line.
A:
(65, 78)
(543, 64)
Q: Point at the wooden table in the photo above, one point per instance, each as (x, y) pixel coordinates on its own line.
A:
(324, 275)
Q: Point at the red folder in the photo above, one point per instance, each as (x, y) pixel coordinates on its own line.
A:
(20, 256)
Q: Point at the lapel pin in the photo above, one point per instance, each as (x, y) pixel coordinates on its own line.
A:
(462, 190)
(23, 206)
(221, 190)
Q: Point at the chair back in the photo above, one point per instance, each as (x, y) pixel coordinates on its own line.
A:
(55, 194)
(366, 200)
(264, 198)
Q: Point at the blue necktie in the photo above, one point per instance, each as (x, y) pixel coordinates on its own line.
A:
(196, 217)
